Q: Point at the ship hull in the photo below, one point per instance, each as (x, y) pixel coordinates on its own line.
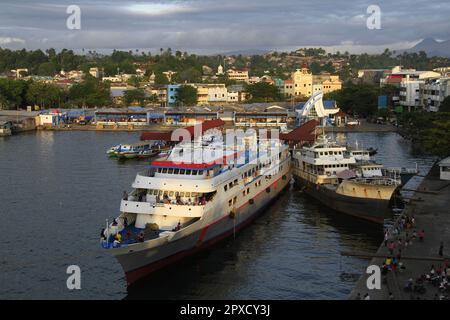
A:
(374, 210)
(138, 265)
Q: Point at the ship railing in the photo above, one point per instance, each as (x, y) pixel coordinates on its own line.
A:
(378, 181)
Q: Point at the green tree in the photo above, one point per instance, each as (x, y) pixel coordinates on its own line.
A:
(13, 93)
(134, 96)
(161, 79)
(44, 95)
(90, 93)
(445, 105)
(263, 92)
(134, 81)
(187, 95)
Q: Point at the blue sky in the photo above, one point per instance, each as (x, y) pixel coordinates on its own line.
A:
(209, 26)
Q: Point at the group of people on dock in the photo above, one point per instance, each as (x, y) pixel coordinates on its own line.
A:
(397, 239)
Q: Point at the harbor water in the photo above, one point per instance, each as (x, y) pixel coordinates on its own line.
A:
(58, 188)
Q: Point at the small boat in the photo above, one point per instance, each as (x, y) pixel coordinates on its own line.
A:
(139, 150)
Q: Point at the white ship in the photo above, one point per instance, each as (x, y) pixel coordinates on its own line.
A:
(199, 194)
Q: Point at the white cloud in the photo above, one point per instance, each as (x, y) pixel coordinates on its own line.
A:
(10, 40)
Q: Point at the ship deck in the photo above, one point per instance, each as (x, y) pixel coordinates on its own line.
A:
(130, 236)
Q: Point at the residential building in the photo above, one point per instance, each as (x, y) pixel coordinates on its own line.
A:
(288, 89)
(236, 93)
(238, 74)
(408, 82)
(172, 91)
(372, 76)
(96, 72)
(328, 81)
(432, 92)
(115, 79)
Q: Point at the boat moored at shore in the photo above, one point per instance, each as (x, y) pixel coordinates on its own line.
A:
(145, 149)
(332, 175)
(199, 194)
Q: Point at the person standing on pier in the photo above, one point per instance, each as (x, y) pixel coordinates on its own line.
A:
(441, 249)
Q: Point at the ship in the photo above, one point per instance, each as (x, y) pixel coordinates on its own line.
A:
(200, 193)
(330, 173)
(140, 150)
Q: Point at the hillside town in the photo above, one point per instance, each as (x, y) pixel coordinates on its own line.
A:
(128, 91)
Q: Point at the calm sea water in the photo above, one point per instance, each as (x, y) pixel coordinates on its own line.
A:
(58, 188)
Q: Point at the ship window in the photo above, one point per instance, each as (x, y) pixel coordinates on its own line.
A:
(164, 170)
(155, 192)
(182, 171)
(243, 193)
(170, 171)
(248, 190)
(230, 185)
(225, 188)
(165, 193)
(230, 202)
(235, 181)
(194, 172)
(181, 194)
(234, 199)
(171, 193)
(188, 194)
(176, 171)
(189, 172)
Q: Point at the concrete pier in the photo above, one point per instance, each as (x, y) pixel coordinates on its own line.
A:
(430, 207)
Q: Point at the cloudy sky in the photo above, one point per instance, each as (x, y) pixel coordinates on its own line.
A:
(210, 26)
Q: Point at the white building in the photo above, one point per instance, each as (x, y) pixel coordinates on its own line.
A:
(219, 70)
(410, 86)
(217, 93)
(116, 79)
(433, 92)
(96, 72)
(445, 169)
(235, 94)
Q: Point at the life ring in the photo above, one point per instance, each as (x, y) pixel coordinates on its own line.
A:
(268, 190)
(251, 201)
(232, 214)
(328, 173)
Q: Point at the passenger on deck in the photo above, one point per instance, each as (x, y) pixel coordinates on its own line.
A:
(178, 227)
(102, 234)
(118, 237)
(125, 222)
(179, 201)
(125, 195)
(114, 222)
(189, 201)
(140, 237)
